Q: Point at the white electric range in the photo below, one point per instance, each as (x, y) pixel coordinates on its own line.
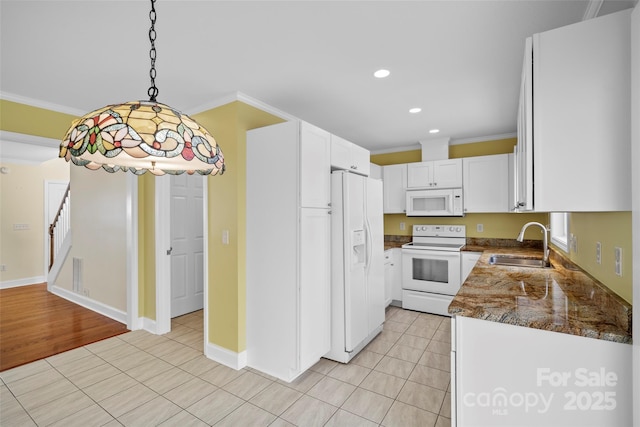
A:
(431, 267)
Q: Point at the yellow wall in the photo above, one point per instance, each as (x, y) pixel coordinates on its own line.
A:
(22, 202)
(611, 229)
(41, 122)
(146, 247)
(227, 211)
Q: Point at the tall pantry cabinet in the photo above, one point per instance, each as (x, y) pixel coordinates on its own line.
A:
(288, 248)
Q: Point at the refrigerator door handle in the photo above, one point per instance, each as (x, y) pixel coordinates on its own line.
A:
(368, 249)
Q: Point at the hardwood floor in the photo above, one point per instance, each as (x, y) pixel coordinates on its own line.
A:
(35, 324)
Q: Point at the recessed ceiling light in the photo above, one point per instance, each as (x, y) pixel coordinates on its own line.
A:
(381, 74)
(434, 131)
(415, 110)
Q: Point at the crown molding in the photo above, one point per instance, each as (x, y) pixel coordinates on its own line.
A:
(246, 99)
(41, 104)
(592, 9)
(496, 137)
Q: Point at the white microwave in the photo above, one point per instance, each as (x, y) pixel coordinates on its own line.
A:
(447, 202)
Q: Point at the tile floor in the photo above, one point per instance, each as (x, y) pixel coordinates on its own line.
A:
(139, 379)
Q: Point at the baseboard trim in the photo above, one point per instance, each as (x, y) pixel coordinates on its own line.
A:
(93, 305)
(225, 356)
(22, 282)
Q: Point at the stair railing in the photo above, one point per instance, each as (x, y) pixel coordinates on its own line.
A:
(60, 226)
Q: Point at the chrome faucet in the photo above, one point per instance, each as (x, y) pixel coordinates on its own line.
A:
(520, 238)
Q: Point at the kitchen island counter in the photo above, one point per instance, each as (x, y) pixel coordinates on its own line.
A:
(560, 299)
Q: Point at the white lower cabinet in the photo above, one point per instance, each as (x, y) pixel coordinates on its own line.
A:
(506, 375)
(392, 276)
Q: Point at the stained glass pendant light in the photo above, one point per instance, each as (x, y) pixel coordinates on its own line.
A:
(138, 136)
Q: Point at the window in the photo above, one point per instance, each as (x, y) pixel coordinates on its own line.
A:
(560, 230)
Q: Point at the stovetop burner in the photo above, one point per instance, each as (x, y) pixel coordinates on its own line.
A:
(438, 237)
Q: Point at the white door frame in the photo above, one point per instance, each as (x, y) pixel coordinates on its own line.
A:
(163, 244)
(132, 252)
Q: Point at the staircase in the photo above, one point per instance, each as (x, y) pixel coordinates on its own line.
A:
(60, 236)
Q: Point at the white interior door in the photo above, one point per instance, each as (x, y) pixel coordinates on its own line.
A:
(187, 244)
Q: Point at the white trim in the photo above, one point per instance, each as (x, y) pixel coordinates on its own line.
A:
(163, 243)
(148, 325)
(246, 99)
(59, 262)
(205, 243)
(496, 137)
(22, 282)
(592, 9)
(417, 146)
(23, 138)
(226, 357)
(42, 104)
(132, 251)
(98, 307)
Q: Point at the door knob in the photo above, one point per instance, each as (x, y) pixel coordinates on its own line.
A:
(169, 250)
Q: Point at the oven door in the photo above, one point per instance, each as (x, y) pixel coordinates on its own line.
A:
(432, 271)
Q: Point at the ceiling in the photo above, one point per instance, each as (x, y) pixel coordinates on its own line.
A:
(460, 61)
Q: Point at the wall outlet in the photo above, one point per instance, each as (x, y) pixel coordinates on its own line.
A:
(3, 267)
(479, 228)
(618, 260)
(598, 253)
(402, 226)
(20, 227)
(225, 237)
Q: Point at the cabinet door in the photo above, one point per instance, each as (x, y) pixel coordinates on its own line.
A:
(315, 168)
(523, 170)
(394, 180)
(388, 277)
(340, 153)
(447, 173)
(396, 290)
(314, 285)
(420, 175)
(581, 117)
(361, 160)
(486, 183)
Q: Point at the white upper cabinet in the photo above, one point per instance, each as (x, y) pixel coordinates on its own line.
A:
(435, 174)
(394, 184)
(575, 118)
(486, 183)
(315, 169)
(349, 156)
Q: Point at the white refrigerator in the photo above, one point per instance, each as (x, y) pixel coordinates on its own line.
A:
(357, 264)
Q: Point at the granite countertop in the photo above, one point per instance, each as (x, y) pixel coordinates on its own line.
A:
(560, 299)
(392, 242)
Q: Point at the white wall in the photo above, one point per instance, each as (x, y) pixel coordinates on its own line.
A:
(98, 224)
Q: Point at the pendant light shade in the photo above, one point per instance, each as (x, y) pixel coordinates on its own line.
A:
(140, 136)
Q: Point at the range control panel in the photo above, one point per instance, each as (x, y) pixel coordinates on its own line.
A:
(439, 231)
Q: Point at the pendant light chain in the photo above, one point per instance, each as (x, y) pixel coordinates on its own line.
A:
(153, 90)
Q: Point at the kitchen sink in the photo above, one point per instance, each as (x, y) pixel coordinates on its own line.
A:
(518, 261)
